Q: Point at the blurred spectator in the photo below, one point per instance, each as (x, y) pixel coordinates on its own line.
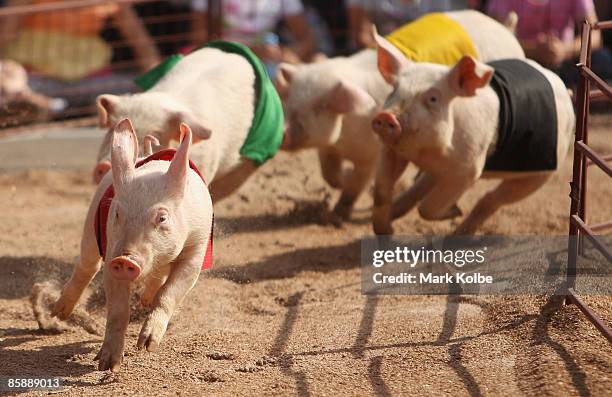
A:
(167, 22)
(388, 15)
(479, 5)
(20, 104)
(548, 33)
(66, 44)
(334, 15)
(253, 23)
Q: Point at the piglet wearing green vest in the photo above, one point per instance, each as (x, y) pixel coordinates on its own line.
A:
(222, 91)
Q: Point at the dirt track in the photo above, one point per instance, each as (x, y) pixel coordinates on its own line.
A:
(282, 314)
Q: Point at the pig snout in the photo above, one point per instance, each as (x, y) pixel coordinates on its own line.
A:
(387, 126)
(124, 268)
(100, 170)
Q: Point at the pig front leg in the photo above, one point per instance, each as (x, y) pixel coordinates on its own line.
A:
(507, 192)
(117, 293)
(441, 201)
(331, 167)
(407, 200)
(152, 286)
(81, 276)
(182, 278)
(390, 168)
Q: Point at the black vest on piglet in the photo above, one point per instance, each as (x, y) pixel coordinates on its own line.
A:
(527, 138)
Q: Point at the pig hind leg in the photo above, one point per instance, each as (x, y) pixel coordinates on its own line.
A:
(81, 276)
(354, 182)
(331, 167)
(228, 183)
(507, 192)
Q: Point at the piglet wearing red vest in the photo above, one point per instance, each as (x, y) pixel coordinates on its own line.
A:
(158, 233)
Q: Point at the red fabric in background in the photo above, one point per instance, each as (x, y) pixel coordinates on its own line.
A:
(101, 217)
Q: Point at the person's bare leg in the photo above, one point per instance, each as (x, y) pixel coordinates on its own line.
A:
(133, 30)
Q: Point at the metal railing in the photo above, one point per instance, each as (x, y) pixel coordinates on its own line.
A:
(585, 156)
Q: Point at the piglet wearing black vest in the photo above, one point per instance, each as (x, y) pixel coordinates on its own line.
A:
(462, 123)
(158, 230)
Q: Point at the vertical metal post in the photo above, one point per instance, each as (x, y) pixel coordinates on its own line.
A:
(585, 135)
(579, 161)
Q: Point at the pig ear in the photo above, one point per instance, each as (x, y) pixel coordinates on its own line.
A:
(468, 75)
(390, 59)
(151, 145)
(348, 98)
(124, 152)
(198, 129)
(106, 106)
(284, 77)
(177, 172)
(287, 71)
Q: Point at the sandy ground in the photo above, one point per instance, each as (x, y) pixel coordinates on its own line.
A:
(282, 313)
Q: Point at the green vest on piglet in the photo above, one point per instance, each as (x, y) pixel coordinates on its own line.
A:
(266, 133)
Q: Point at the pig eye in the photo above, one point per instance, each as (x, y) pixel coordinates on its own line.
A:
(162, 217)
(432, 98)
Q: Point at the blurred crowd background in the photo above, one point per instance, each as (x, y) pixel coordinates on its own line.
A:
(74, 50)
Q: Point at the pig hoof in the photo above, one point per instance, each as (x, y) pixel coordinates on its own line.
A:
(455, 212)
(61, 309)
(331, 218)
(152, 333)
(146, 302)
(343, 212)
(109, 359)
(383, 229)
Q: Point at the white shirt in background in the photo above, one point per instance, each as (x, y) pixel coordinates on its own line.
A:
(247, 21)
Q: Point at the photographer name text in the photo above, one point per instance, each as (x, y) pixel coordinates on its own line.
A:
(432, 278)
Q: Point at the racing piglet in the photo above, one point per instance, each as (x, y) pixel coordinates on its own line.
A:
(150, 223)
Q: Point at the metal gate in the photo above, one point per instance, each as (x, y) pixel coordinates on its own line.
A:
(585, 156)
